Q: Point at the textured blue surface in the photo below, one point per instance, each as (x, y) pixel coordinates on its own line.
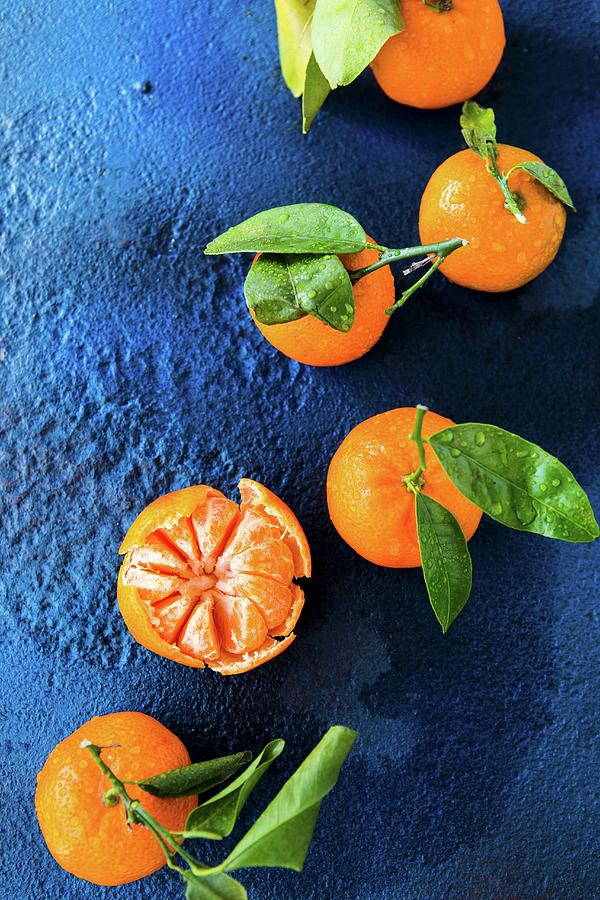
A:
(129, 368)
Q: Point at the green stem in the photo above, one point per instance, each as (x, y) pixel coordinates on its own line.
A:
(415, 287)
(414, 481)
(512, 202)
(441, 249)
(439, 5)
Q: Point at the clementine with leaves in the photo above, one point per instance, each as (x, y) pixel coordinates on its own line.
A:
(208, 582)
(86, 834)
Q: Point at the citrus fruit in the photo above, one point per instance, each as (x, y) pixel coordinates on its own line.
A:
(314, 343)
(503, 253)
(441, 58)
(89, 839)
(370, 505)
(207, 582)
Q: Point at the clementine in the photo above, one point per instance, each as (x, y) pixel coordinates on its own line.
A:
(207, 582)
(444, 55)
(94, 841)
(369, 502)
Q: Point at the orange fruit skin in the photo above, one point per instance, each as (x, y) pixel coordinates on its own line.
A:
(441, 58)
(463, 200)
(85, 837)
(313, 343)
(369, 504)
(164, 513)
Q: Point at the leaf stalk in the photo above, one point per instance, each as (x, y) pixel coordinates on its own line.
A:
(414, 481)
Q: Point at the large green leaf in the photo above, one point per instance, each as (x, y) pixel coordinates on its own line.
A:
(295, 45)
(214, 887)
(215, 818)
(281, 835)
(515, 482)
(194, 779)
(316, 91)
(348, 34)
(283, 288)
(299, 228)
(478, 126)
(548, 177)
(445, 559)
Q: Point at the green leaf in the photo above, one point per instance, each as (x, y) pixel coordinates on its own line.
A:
(548, 177)
(295, 44)
(300, 228)
(284, 288)
(281, 835)
(445, 559)
(316, 91)
(196, 778)
(478, 126)
(214, 887)
(515, 482)
(215, 818)
(348, 34)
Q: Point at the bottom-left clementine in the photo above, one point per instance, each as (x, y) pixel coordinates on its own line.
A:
(89, 839)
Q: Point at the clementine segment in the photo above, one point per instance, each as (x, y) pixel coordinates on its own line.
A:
(441, 58)
(207, 582)
(503, 253)
(314, 343)
(369, 503)
(84, 836)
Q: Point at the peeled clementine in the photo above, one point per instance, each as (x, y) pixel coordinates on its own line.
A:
(89, 839)
(369, 503)
(207, 582)
(441, 58)
(314, 343)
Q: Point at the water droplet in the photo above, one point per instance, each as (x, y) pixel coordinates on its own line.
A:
(522, 454)
(496, 509)
(454, 451)
(555, 482)
(480, 438)
(447, 437)
(283, 218)
(543, 488)
(312, 294)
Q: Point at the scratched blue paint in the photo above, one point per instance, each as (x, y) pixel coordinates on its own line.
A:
(129, 368)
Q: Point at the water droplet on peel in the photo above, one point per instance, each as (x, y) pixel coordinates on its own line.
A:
(480, 438)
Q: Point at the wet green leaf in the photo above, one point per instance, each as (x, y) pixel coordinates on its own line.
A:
(284, 288)
(515, 482)
(215, 818)
(194, 779)
(295, 44)
(316, 91)
(348, 34)
(299, 228)
(281, 835)
(548, 177)
(445, 559)
(214, 887)
(478, 126)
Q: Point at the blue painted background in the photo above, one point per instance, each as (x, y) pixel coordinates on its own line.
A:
(129, 368)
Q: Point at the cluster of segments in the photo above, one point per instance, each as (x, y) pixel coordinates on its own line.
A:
(219, 584)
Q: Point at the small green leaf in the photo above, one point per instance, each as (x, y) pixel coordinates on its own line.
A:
(284, 288)
(194, 779)
(478, 128)
(281, 835)
(299, 228)
(316, 91)
(215, 818)
(214, 887)
(515, 482)
(295, 44)
(348, 34)
(445, 559)
(548, 177)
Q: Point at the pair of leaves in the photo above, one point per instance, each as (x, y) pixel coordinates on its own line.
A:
(512, 480)
(478, 128)
(299, 272)
(327, 43)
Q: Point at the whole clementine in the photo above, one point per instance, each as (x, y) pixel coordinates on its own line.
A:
(94, 841)
(369, 503)
(443, 56)
(207, 582)
(502, 253)
(314, 343)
